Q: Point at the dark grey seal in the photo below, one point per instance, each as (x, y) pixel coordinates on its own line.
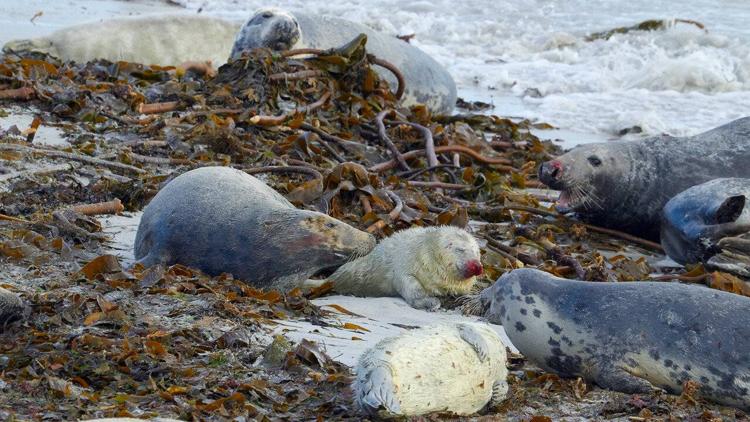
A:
(12, 308)
(628, 337)
(427, 82)
(710, 223)
(625, 185)
(219, 219)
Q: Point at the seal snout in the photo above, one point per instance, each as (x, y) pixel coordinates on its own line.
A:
(550, 172)
(473, 268)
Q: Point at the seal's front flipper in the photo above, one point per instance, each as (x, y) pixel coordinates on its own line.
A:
(475, 339)
(499, 392)
(375, 391)
(617, 379)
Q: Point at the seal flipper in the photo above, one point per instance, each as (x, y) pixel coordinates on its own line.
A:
(617, 379)
(375, 391)
(499, 392)
(475, 339)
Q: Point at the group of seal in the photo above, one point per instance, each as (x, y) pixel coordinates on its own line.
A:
(176, 39)
(625, 185)
(457, 368)
(630, 337)
(222, 220)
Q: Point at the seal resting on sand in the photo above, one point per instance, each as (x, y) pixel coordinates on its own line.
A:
(11, 308)
(625, 184)
(427, 82)
(162, 39)
(628, 337)
(710, 223)
(177, 39)
(219, 219)
(456, 368)
(419, 264)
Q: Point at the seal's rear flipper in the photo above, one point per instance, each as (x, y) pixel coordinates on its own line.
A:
(617, 379)
(475, 339)
(375, 391)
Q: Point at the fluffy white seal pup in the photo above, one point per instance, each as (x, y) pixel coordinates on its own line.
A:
(457, 368)
(419, 264)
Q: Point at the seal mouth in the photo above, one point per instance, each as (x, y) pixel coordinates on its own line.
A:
(564, 203)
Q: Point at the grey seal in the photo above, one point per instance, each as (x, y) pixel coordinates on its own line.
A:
(427, 82)
(177, 39)
(449, 367)
(625, 185)
(418, 264)
(710, 223)
(219, 219)
(12, 308)
(628, 337)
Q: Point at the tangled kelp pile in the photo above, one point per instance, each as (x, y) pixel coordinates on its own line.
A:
(322, 129)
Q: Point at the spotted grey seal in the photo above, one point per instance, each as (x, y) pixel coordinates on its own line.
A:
(710, 223)
(219, 219)
(625, 184)
(456, 368)
(418, 264)
(11, 307)
(628, 337)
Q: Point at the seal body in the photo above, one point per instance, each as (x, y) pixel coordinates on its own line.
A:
(710, 223)
(160, 39)
(629, 337)
(419, 264)
(219, 219)
(625, 185)
(456, 368)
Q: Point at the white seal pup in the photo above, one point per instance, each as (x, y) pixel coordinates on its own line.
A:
(629, 337)
(457, 368)
(161, 39)
(625, 184)
(219, 219)
(418, 264)
(710, 223)
(427, 82)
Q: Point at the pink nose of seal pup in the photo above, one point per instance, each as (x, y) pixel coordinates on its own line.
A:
(473, 268)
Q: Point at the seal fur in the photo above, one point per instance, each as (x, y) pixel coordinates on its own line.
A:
(625, 184)
(629, 337)
(457, 368)
(710, 223)
(11, 308)
(418, 264)
(219, 219)
(161, 39)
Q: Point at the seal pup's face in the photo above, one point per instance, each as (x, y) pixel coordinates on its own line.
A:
(710, 223)
(586, 176)
(271, 28)
(460, 252)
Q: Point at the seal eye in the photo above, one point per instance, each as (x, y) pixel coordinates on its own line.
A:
(267, 15)
(330, 225)
(594, 160)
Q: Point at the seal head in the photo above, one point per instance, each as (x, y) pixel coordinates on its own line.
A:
(268, 27)
(710, 223)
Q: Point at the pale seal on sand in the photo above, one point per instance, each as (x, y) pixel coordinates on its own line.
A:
(457, 368)
(161, 39)
(11, 308)
(427, 82)
(629, 337)
(625, 184)
(219, 219)
(710, 223)
(418, 264)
